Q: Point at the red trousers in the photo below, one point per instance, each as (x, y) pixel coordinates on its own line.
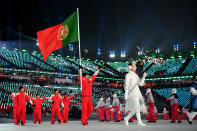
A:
(151, 117)
(117, 115)
(175, 112)
(166, 116)
(37, 113)
(55, 111)
(147, 116)
(15, 116)
(87, 108)
(121, 115)
(184, 116)
(101, 114)
(108, 113)
(21, 114)
(131, 119)
(112, 115)
(195, 118)
(65, 114)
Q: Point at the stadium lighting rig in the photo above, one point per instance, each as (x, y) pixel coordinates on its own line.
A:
(157, 50)
(71, 47)
(176, 46)
(99, 51)
(123, 54)
(112, 54)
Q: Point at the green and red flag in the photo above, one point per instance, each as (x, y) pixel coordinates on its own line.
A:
(58, 36)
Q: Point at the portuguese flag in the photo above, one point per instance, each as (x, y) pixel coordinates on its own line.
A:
(58, 36)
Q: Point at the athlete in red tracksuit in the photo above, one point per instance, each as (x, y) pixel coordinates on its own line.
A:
(116, 105)
(151, 105)
(108, 109)
(55, 108)
(12, 96)
(101, 109)
(66, 102)
(86, 93)
(37, 104)
(165, 114)
(174, 106)
(21, 99)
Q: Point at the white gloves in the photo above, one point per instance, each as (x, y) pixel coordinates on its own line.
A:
(80, 71)
(172, 97)
(126, 96)
(141, 99)
(31, 102)
(62, 105)
(193, 91)
(144, 75)
(96, 73)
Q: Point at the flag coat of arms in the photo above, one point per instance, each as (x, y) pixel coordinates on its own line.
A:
(58, 36)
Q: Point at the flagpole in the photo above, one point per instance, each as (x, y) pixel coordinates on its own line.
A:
(79, 48)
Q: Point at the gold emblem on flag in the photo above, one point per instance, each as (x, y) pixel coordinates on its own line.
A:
(62, 32)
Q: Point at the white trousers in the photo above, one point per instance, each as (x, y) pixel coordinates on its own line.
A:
(134, 105)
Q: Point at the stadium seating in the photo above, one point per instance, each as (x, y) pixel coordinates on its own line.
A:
(120, 66)
(170, 67)
(191, 68)
(23, 59)
(4, 63)
(183, 94)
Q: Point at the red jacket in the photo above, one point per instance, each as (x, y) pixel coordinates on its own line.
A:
(66, 101)
(21, 99)
(13, 100)
(87, 84)
(38, 102)
(57, 100)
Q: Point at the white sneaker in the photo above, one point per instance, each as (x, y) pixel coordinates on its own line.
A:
(126, 121)
(141, 124)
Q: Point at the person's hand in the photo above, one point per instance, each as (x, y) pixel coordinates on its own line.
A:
(126, 96)
(141, 98)
(192, 90)
(145, 74)
(167, 99)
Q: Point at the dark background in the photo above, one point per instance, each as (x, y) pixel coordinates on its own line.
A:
(106, 24)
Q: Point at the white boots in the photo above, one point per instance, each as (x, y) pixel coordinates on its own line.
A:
(139, 123)
(126, 121)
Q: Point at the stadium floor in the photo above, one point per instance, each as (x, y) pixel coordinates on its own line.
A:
(94, 125)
